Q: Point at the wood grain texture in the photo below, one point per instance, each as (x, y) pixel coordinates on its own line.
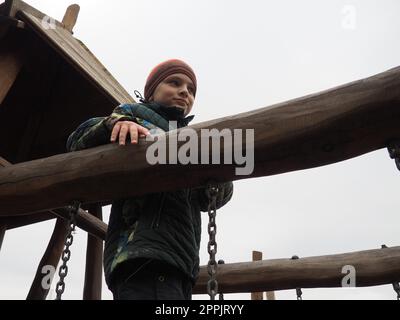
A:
(373, 267)
(316, 130)
(70, 17)
(84, 220)
(70, 48)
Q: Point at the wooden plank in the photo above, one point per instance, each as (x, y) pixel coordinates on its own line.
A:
(51, 257)
(70, 17)
(319, 129)
(257, 256)
(10, 65)
(94, 262)
(80, 58)
(372, 268)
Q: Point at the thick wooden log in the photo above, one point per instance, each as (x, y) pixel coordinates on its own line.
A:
(372, 268)
(315, 130)
(26, 220)
(84, 220)
(94, 262)
(41, 284)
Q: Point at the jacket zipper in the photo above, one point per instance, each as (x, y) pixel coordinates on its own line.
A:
(156, 222)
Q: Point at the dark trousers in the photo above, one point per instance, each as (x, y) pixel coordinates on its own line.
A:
(150, 280)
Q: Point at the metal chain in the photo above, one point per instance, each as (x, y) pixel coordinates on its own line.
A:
(221, 295)
(212, 285)
(66, 255)
(299, 293)
(396, 285)
(394, 152)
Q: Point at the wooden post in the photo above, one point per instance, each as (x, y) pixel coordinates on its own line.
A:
(3, 229)
(94, 261)
(257, 256)
(271, 295)
(70, 17)
(50, 258)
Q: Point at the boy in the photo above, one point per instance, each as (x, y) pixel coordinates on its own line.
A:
(152, 243)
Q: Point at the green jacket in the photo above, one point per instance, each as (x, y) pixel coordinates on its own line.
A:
(163, 226)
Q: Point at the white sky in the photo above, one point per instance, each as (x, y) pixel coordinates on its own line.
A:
(249, 54)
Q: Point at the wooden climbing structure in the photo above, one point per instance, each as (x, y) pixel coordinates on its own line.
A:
(51, 82)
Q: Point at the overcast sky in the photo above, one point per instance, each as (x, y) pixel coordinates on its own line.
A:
(247, 55)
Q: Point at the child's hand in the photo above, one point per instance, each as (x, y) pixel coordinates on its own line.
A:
(122, 128)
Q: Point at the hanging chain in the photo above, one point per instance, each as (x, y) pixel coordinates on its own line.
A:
(394, 152)
(212, 285)
(396, 285)
(299, 293)
(221, 295)
(66, 255)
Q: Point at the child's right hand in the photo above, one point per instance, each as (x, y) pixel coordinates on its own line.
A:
(122, 128)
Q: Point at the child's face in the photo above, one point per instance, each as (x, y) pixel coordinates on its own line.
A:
(175, 90)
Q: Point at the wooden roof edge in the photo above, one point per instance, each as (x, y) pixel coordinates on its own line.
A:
(15, 8)
(126, 94)
(12, 7)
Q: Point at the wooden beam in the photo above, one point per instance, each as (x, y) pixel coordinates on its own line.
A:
(372, 268)
(316, 130)
(14, 7)
(26, 220)
(70, 17)
(84, 220)
(51, 258)
(94, 262)
(257, 256)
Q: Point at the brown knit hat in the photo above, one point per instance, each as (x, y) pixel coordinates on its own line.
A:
(164, 70)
